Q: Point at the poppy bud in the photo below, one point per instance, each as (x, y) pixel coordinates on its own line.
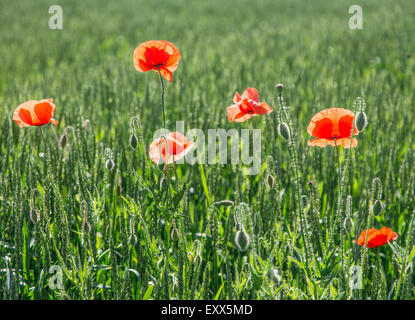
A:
(174, 234)
(361, 121)
(63, 140)
(283, 131)
(133, 141)
(377, 207)
(109, 164)
(348, 224)
(270, 181)
(225, 203)
(34, 216)
(160, 164)
(242, 240)
(279, 87)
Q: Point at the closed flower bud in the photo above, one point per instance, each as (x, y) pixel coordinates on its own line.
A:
(63, 140)
(279, 87)
(109, 164)
(224, 203)
(270, 181)
(160, 164)
(377, 207)
(242, 240)
(174, 234)
(133, 141)
(34, 216)
(361, 121)
(283, 131)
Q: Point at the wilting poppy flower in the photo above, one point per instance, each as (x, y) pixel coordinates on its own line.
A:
(332, 127)
(157, 54)
(377, 237)
(35, 113)
(247, 106)
(177, 148)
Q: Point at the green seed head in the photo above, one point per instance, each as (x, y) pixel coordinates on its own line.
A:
(242, 240)
(361, 121)
(283, 131)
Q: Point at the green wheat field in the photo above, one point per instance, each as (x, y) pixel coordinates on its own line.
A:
(85, 214)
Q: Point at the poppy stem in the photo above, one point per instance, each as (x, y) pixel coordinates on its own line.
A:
(47, 154)
(164, 115)
(162, 97)
(339, 177)
(294, 159)
(251, 177)
(43, 136)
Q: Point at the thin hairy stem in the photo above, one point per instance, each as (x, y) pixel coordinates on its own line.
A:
(297, 176)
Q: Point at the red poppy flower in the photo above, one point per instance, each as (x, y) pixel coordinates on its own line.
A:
(247, 106)
(332, 127)
(157, 54)
(35, 113)
(376, 237)
(177, 148)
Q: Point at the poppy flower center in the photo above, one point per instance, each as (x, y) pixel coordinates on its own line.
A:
(246, 106)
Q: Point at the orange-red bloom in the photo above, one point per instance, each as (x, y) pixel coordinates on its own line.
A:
(35, 113)
(157, 54)
(177, 148)
(376, 237)
(332, 127)
(247, 106)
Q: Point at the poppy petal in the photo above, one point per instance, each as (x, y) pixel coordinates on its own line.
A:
(251, 93)
(26, 116)
(166, 74)
(376, 238)
(34, 113)
(236, 97)
(155, 54)
(177, 148)
(43, 112)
